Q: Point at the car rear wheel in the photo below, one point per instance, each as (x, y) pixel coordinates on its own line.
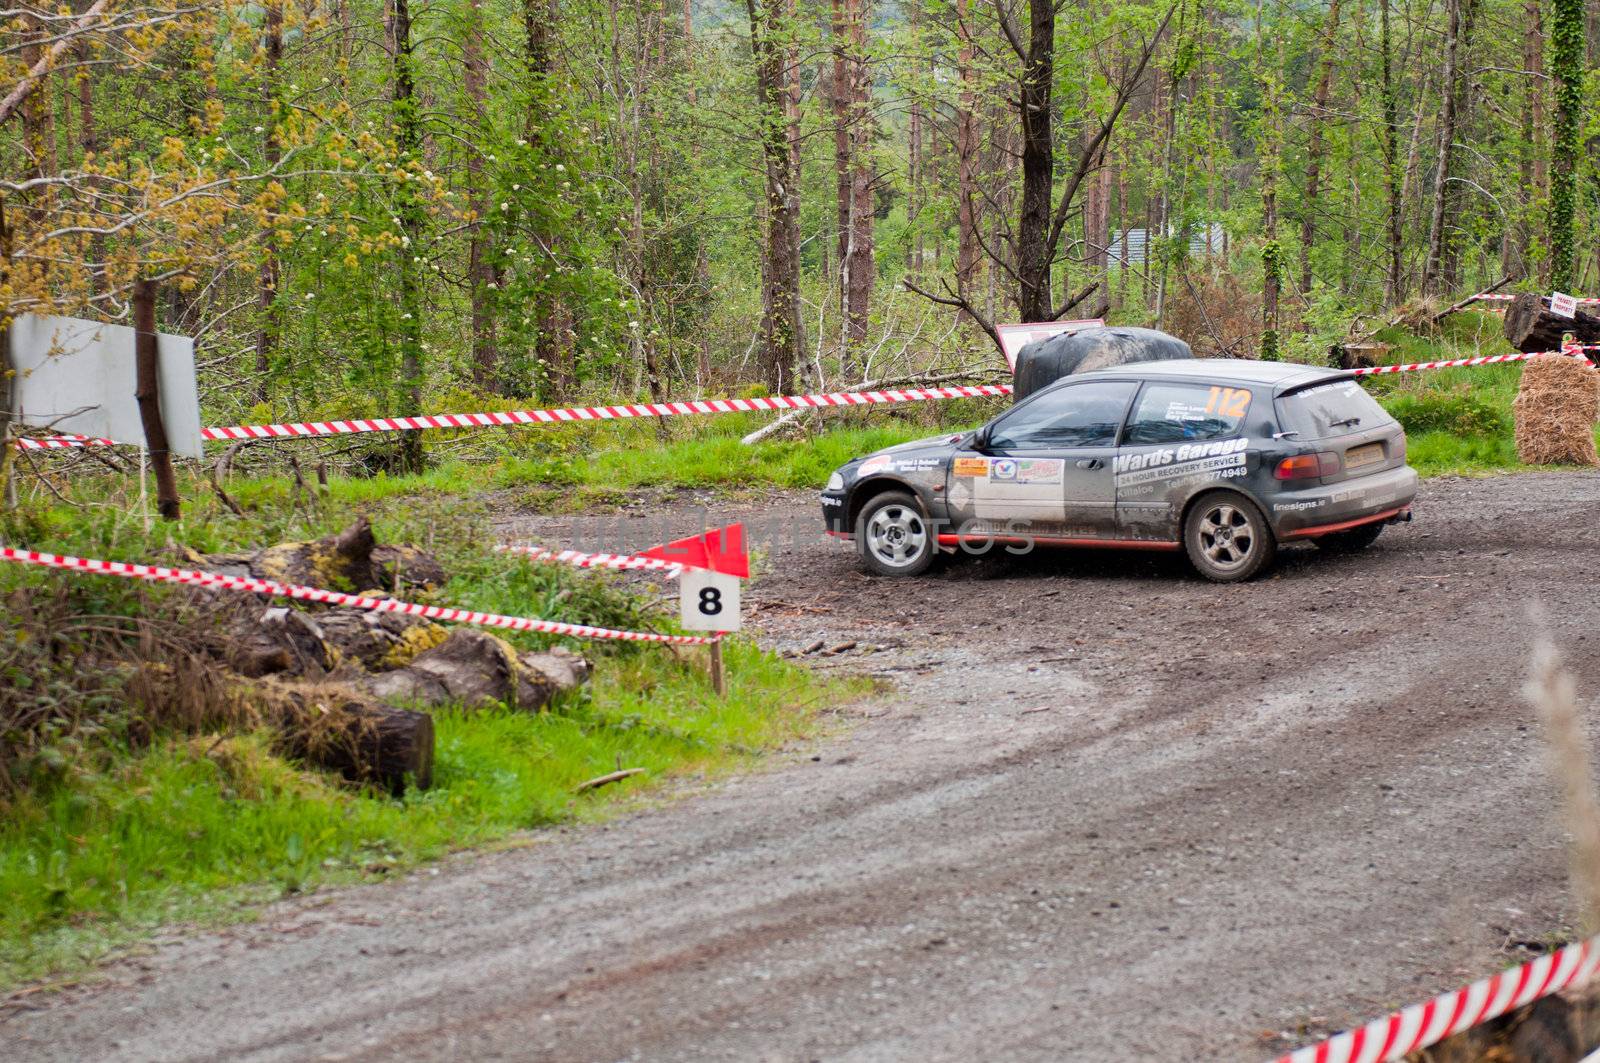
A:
(893, 536)
(1350, 541)
(1227, 538)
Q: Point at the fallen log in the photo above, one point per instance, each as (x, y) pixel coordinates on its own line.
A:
(476, 670)
(337, 727)
(1530, 326)
(348, 561)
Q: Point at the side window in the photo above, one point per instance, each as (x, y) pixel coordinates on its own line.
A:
(1178, 413)
(1083, 415)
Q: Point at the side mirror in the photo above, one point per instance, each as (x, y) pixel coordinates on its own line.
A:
(980, 440)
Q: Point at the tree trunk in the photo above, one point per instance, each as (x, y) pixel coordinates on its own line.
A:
(1097, 215)
(147, 392)
(861, 270)
(552, 351)
(1531, 167)
(841, 95)
(782, 335)
(88, 147)
(267, 326)
(1315, 146)
(410, 210)
(1269, 149)
(914, 166)
(38, 124)
(1038, 165)
(1566, 64)
(1394, 290)
(966, 155)
(474, 77)
(1433, 268)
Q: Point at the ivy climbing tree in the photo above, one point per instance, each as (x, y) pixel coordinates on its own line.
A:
(1566, 63)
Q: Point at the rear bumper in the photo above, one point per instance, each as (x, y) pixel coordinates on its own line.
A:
(1388, 516)
(1324, 510)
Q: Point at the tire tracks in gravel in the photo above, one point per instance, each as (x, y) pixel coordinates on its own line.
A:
(1312, 797)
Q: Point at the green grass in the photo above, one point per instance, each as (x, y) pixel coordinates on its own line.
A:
(112, 838)
(203, 827)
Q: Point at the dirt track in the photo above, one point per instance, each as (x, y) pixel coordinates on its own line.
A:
(1107, 812)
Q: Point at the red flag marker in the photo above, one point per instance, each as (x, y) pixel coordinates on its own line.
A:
(719, 549)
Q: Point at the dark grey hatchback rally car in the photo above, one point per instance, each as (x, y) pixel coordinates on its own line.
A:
(1222, 458)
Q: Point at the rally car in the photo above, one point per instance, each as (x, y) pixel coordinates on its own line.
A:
(1222, 458)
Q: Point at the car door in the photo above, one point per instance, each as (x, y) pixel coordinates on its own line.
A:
(1045, 467)
(1181, 437)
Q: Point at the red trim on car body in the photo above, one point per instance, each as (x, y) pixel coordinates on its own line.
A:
(1328, 529)
(1046, 540)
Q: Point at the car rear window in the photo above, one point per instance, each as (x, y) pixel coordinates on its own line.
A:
(1338, 408)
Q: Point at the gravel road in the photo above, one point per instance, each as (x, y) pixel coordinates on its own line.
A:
(1103, 811)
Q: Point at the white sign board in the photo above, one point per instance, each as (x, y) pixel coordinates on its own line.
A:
(708, 601)
(1563, 305)
(80, 376)
(1015, 337)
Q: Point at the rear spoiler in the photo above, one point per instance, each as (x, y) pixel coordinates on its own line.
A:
(1333, 376)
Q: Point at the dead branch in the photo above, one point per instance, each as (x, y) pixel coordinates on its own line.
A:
(47, 61)
(606, 780)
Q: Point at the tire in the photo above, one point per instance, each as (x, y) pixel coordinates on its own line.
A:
(1227, 538)
(893, 536)
(1352, 541)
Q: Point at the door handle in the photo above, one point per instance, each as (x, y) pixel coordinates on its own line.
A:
(1091, 463)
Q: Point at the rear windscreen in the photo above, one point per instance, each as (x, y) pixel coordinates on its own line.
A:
(1339, 408)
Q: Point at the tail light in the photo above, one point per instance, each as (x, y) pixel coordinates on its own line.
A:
(1307, 466)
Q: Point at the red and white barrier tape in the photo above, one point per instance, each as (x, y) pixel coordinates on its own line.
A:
(62, 442)
(1448, 1014)
(1452, 363)
(583, 560)
(1503, 298)
(251, 585)
(570, 414)
(602, 413)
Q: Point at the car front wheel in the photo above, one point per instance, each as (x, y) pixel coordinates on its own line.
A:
(1227, 538)
(894, 537)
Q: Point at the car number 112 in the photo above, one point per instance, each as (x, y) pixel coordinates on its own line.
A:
(1229, 402)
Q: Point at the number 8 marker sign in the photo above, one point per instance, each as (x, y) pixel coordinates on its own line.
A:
(708, 601)
(708, 589)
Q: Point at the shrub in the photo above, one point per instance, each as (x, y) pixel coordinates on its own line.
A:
(1459, 412)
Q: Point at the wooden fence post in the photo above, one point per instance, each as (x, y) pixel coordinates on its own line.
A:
(148, 392)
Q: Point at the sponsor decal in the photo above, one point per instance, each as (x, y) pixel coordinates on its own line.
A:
(872, 465)
(971, 467)
(1206, 461)
(1169, 455)
(827, 501)
(1291, 507)
(1039, 470)
(1003, 470)
(917, 465)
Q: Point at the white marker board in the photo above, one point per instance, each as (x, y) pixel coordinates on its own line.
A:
(708, 601)
(80, 376)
